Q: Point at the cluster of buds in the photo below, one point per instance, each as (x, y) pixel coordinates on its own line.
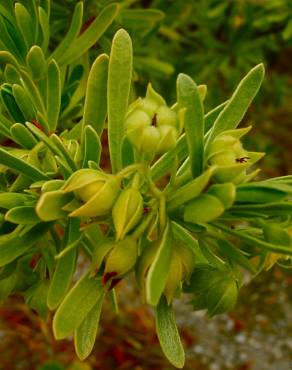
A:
(151, 126)
(233, 161)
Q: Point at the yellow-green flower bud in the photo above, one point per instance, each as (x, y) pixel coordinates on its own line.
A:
(204, 208)
(149, 139)
(166, 116)
(97, 190)
(121, 258)
(127, 211)
(168, 137)
(137, 119)
(149, 106)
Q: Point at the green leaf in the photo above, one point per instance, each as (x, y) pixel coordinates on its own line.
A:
(58, 143)
(182, 234)
(189, 99)
(91, 146)
(165, 162)
(33, 91)
(45, 27)
(189, 191)
(36, 62)
(119, 83)
(72, 33)
(235, 255)
(21, 166)
(222, 296)
(21, 135)
(85, 334)
(273, 209)
(24, 22)
(10, 104)
(256, 242)
(23, 215)
(11, 200)
(13, 245)
(95, 106)
(88, 38)
(65, 268)
(168, 335)
(158, 272)
(258, 193)
(76, 306)
(53, 94)
(235, 109)
(50, 204)
(24, 102)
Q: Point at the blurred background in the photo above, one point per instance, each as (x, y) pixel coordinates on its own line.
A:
(216, 42)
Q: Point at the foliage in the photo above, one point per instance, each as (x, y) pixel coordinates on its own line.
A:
(179, 207)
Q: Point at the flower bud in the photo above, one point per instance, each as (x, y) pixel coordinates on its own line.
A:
(168, 136)
(121, 258)
(149, 139)
(127, 211)
(166, 116)
(149, 106)
(204, 208)
(227, 152)
(96, 189)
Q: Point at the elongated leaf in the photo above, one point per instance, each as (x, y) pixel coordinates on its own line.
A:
(65, 152)
(65, 268)
(11, 200)
(22, 136)
(53, 94)
(119, 82)
(235, 255)
(238, 104)
(168, 335)
(24, 23)
(71, 34)
(158, 272)
(256, 242)
(76, 306)
(33, 91)
(24, 102)
(165, 163)
(189, 99)
(21, 166)
(189, 191)
(182, 234)
(85, 334)
(259, 194)
(14, 246)
(23, 215)
(91, 35)
(91, 146)
(45, 27)
(95, 107)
